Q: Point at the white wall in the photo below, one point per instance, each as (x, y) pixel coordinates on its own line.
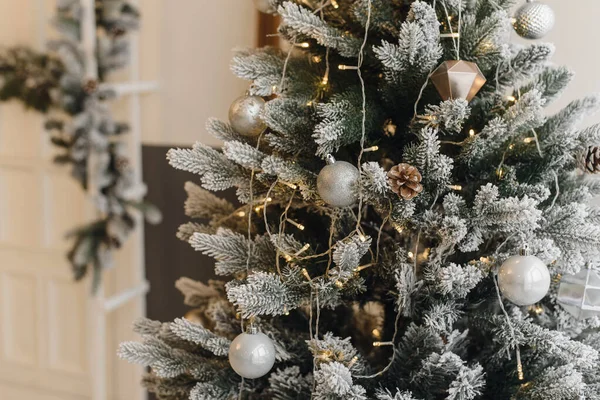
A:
(574, 36)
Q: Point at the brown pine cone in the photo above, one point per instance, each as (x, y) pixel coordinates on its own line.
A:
(90, 85)
(405, 181)
(591, 160)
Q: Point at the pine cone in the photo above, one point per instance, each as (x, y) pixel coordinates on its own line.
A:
(90, 85)
(591, 160)
(405, 181)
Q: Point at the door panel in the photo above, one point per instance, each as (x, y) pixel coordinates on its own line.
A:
(47, 322)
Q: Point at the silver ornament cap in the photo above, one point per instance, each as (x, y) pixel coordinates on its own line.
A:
(337, 183)
(245, 115)
(252, 354)
(524, 279)
(265, 6)
(533, 20)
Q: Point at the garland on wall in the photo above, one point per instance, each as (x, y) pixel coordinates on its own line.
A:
(81, 124)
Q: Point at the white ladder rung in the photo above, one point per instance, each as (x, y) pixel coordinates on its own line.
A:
(118, 300)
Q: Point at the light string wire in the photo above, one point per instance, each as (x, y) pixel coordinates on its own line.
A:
(364, 114)
(456, 43)
(250, 245)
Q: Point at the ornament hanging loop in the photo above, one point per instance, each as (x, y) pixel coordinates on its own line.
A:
(329, 159)
(525, 250)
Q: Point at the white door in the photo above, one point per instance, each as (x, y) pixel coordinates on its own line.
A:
(50, 328)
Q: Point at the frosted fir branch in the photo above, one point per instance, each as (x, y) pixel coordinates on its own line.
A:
(228, 248)
(568, 119)
(441, 317)
(347, 256)
(147, 327)
(483, 38)
(577, 238)
(526, 62)
(587, 137)
(418, 48)
(201, 336)
(333, 348)
(487, 142)
(407, 286)
(454, 205)
(195, 293)
(341, 121)
(166, 362)
(243, 154)
(449, 115)
(553, 345)
(468, 384)
(292, 124)
(289, 383)
(562, 382)
(505, 215)
(383, 16)
(551, 83)
(457, 281)
(263, 67)
(334, 381)
(222, 130)
(302, 21)
(187, 230)
(292, 173)
(217, 172)
(214, 391)
(252, 64)
(262, 294)
(374, 184)
(385, 394)
(438, 369)
(203, 204)
(526, 113)
(435, 167)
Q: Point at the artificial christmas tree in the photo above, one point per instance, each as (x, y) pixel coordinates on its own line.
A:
(389, 297)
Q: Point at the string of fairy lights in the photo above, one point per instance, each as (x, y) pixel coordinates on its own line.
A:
(300, 255)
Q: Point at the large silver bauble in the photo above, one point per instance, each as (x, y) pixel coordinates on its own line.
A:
(337, 183)
(265, 6)
(533, 20)
(252, 355)
(524, 279)
(245, 115)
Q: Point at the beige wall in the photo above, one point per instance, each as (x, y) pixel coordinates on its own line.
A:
(186, 45)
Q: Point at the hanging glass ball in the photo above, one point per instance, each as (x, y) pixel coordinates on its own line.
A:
(524, 279)
(533, 20)
(265, 6)
(245, 115)
(337, 183)
(252, 354)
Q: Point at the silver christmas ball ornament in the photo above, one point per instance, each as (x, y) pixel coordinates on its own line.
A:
(533, 20)
(337, 183)
(252, 354)
(524, 279)
(245, 115)
(265, 6)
